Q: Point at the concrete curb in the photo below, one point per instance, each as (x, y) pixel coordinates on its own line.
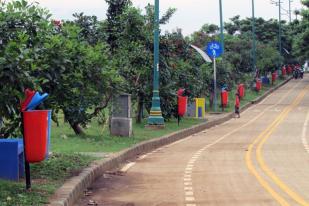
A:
(72, 189)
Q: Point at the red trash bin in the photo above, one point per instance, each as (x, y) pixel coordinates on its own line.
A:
(29, 95)
(283, 71)
(273, 77)
(35, 134)
(224, 98)
(182, 105)
(290, 70)
(258, 85)
(241, 90)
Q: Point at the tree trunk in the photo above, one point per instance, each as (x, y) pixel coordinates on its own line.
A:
(140, 107)
(77, 128)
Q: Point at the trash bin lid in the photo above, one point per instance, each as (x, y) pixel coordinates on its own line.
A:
(36, 100)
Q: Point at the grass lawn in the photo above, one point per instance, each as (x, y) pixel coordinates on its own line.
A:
(46, 178)
(99, 140)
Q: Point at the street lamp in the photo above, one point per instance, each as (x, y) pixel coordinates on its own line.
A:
(221, 26)
(155, 119)
(253, 38)
(290, 11)
(278, 3)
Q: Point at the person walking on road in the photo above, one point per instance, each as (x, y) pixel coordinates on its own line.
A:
(237, 105)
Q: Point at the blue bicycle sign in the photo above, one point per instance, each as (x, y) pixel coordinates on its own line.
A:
(214, 49)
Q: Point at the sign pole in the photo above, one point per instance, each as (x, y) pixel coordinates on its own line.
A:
(214, 50)
(27, 165)
(215, 85)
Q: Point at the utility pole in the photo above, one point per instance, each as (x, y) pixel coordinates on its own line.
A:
(253, 38)
(221, 26)
(222, 45)
(290, 11)
(278, 3)
(155, 119)
(280, 43)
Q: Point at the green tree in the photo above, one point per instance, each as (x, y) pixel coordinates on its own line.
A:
(64, 60)
(79, 77)
(114, 25)
(23, 28)
(301, 43)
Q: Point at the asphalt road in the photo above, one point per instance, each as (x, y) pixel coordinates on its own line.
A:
(260, 159)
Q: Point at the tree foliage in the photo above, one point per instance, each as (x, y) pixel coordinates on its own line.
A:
(62, 60)
(301, 43)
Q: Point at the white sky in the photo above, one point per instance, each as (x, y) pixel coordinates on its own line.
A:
(190, 14)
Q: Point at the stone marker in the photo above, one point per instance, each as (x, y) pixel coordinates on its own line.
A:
(121, 121)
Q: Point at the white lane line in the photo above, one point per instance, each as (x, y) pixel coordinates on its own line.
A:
(190, 199)
(187, 176)
(187, 183)
(189, 193)
(190, 204)
(127, 167)
(187, 179)
(304, 139)
(188, 189)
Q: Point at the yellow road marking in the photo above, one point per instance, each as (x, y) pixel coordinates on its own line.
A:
(268, 131)
(252, 169)
(197, 154)
(262, 163)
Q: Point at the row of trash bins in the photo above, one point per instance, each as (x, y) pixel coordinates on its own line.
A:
(183, 100)
(225, 95)
(36, 127)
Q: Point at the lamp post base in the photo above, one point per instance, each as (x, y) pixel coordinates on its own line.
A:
(155, 118)
(155, 127)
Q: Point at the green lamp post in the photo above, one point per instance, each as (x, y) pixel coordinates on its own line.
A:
(155, 119)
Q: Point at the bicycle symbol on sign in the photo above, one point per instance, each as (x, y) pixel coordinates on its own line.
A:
(213, 49)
